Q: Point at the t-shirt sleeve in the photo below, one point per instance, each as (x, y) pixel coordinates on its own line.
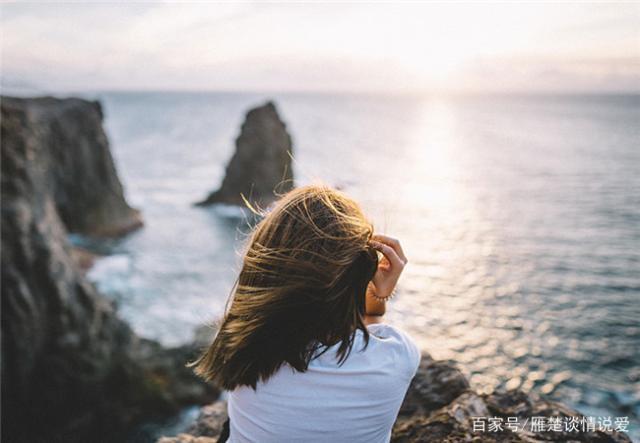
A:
(406, 350)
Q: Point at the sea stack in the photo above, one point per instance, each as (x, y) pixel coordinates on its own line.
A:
(260, 168)
(72, 370)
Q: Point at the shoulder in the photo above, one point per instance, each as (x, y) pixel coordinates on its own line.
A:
(399, 343)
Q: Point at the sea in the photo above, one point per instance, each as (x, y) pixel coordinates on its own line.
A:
(520, 216)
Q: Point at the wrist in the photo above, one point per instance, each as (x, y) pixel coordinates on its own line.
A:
(376, 308)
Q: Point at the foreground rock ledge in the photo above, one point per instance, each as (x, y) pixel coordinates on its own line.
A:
(261, 166)
(439, 407)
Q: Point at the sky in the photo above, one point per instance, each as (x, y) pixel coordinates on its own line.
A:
(321, 46)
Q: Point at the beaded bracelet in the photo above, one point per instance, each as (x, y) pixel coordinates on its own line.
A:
(388, 297)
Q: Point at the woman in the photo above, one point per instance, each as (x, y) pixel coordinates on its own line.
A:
(302, 349)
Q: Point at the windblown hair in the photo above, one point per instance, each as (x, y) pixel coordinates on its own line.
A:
(301, 289)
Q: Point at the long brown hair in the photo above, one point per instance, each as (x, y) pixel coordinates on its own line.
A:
(301, 289)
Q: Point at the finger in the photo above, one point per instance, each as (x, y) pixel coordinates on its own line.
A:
(394, 260)
(392, 242)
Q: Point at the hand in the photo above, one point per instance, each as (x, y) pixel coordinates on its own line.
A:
(388, 273)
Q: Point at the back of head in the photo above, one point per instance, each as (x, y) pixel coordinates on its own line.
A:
(301, 288)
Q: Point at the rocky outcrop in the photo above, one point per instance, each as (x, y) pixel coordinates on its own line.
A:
(437, 383)
(71, 369)
(261, 166)
(441, 407)
(206, 428)
(66, 139)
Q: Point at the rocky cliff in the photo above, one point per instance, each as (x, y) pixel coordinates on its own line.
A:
(261, 164)
(71, 369)
(68, 142)
(440, 406)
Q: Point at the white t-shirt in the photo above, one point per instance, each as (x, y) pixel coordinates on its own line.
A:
(356, 402)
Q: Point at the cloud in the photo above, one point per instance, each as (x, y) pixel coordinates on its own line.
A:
(390, 47)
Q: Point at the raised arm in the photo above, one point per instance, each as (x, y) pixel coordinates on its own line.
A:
(384, 281)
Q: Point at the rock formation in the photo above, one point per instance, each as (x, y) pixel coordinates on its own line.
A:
(261, 166)
(71, 369)
(439, 407)
(72, 152)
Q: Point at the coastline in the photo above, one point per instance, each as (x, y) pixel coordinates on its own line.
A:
(151, 368)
